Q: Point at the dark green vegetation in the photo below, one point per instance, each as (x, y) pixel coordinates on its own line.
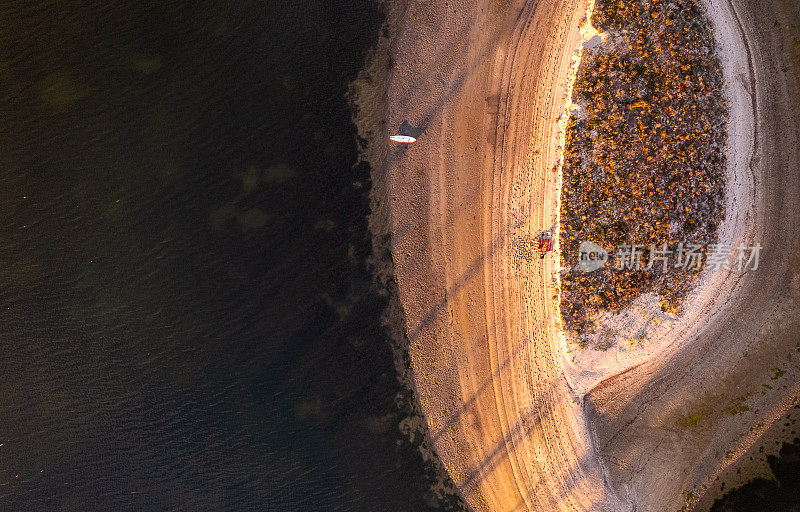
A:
(644, 159)
(694, 419)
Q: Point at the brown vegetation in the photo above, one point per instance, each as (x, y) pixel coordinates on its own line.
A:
(644, 160)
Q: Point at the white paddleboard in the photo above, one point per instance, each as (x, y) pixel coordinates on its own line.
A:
(405, 139)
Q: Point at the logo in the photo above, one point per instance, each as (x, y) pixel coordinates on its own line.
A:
(591, 256)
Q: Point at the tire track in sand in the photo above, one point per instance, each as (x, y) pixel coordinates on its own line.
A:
(487, 360)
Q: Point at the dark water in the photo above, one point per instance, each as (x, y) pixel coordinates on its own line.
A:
(779, 495)
(188, 320)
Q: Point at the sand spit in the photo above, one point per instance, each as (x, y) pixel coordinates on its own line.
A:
(483, 86)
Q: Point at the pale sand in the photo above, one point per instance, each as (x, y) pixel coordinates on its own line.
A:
(484, 84)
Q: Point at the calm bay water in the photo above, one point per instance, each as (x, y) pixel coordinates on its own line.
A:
(187, 318)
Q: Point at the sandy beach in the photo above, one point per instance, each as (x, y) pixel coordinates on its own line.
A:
(518, 419)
